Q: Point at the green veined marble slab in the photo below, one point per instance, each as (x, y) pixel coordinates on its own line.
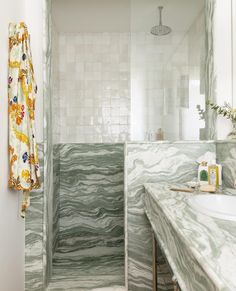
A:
(150, 163)
(89, 216)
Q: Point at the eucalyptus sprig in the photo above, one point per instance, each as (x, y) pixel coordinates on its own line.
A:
(201, 112)
(226, 110)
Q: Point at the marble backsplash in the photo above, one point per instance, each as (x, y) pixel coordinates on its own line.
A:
(149, 163)
(226, 155)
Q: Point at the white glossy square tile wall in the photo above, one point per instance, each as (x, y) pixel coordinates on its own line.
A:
(167, 79)
(94, 75)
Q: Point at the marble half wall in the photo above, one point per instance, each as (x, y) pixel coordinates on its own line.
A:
(148, 163)
(91, 204)
(99, 169)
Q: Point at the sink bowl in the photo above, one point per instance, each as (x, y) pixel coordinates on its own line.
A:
(219, 206)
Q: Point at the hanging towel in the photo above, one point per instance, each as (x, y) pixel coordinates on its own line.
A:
(22, 89)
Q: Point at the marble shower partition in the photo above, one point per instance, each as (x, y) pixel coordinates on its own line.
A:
(38, 226)
(56, 195)
(48, 144)
(226, 155)
(91, 213)
(148, 163)
(34, 235)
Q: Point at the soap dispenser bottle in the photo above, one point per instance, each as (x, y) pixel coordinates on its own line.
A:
(220, 173)
(203, 173)
(213, 174)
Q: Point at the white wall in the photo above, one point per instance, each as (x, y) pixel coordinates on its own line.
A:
(223, 61)
(11, 225)
(234, 50)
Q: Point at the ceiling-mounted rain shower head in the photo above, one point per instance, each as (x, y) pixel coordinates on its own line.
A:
(160, 29)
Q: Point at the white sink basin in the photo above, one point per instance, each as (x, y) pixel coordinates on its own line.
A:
(219, 206)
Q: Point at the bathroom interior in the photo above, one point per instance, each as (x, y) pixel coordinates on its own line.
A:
(127, 86)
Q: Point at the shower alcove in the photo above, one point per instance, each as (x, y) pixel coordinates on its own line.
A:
(108, 81)
(90, 120)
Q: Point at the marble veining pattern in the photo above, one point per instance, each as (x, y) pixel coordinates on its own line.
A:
(164, 272)
(90, 247)
(200, 249)
(56, 195)
(77, 287)
(48, 144)
(34, 235)
(138, 261)
(226, 155)
(38, 230)
(152, 162)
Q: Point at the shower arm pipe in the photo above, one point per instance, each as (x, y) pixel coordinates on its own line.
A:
(160, 15)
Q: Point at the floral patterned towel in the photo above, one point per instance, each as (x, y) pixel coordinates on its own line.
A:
(24, 164)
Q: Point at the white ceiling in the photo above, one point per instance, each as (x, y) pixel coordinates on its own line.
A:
(91, 15)
(178, 14)
(123, 15)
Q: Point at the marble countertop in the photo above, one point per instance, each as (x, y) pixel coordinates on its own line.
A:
(201, 250)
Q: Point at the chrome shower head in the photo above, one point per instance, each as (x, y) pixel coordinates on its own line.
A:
(160, 29)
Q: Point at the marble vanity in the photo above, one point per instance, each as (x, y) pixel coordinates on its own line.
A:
(201, 250)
